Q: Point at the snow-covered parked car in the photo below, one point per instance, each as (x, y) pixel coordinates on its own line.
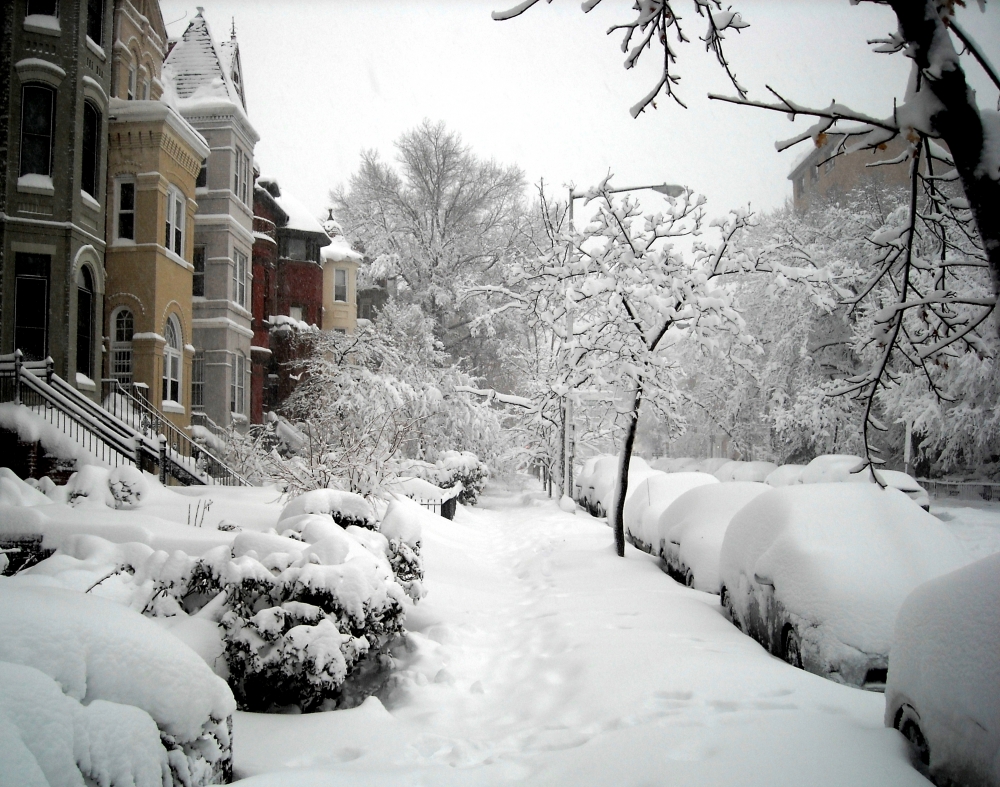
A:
(583, 486)
(737, 470)
(943, 691)
(668, 464)
(601, 492)
(649, 498)
(831, 468)
(785, 475)
(817, 573)
(693, 527)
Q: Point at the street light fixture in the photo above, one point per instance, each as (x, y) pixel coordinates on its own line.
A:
(568, 426)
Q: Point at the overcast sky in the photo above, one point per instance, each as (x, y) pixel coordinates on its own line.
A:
(548, 91)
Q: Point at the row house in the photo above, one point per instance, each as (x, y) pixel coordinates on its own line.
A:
(55, 83)
(135, 244)
(206, 83)
(154, 159)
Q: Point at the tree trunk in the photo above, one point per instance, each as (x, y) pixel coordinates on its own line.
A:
(959, 124)
(621, 486)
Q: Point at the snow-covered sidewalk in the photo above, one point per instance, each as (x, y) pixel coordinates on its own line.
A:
(540, 657)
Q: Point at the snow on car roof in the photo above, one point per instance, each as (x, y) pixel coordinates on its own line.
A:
(840, 556)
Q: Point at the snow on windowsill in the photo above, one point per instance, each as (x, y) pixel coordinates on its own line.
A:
(96, 48)
(89, 201)
(170, 406)
(147, 335)
(36, 184)
(84, 383)
(42, 23)
(190, 348)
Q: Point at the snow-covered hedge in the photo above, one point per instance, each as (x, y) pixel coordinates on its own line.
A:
(463, 467)
(93, 689)
(346, 508)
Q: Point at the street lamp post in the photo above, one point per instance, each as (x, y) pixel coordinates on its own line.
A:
(568, 426)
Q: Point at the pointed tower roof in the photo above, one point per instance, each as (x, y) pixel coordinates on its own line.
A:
(229, 52)
(196, 65)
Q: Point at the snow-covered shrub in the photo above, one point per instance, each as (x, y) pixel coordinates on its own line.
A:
(92, 485)
(346, 508)
(103, 654)
(401, 526)
(128, 487)
(463, 467)
(50, 738)
(303, 624)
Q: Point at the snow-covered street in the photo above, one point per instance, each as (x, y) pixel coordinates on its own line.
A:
(540, 657)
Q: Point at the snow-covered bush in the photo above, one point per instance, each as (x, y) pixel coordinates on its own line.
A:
(128, 487)
(346, 508)
(130, 678)
(402, 528)
(122, 488)
(463, 467)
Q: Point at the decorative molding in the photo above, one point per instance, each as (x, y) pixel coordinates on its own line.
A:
(34, 69)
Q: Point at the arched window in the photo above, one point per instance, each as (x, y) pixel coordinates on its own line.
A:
(122, 328)
(238, 385)
(37, 117)
(172, 361)
(84, 322)
(91, 149)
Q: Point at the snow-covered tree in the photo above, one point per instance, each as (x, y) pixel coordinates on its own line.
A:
(438, 220)
(620, 295)
(937, 102)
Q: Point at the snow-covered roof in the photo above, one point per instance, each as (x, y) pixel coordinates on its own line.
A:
(159, 111)
(339, 251)
(197, 76)
(300, 218)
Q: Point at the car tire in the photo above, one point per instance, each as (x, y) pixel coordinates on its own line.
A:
(792, 647)
(908, 722)
(689, 578)
(727, 604)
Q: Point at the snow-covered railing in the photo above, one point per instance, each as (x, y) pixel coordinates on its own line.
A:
(184, 455)
(963, 490)
(108, 442)
(131, 432)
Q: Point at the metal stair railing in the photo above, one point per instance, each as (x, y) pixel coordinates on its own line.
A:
(136, 434)
(20, 384)
(187, 456)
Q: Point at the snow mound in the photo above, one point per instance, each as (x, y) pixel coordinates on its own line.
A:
(833, 467)
(346, 508)
(96, 649)
(669, 465)
(945, 663)
(650, 498)
(841, 558)
(709, 465)
(15, 492)
(785, 475)
(49, 738)
(745, 471)
(692, 529)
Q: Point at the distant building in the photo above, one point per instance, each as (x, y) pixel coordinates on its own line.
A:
(816, 177)
(340, 281)
(55, 79)
(267, 216)
(205, 81)
(154, 157)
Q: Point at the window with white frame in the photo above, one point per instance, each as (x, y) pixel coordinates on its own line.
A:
(238, 385)
(340, 285)
(37, 133)
(172, 361)
(130, 91)
(241, 177)
(198, 380)
(175, 222)
(125, 209)
(122, 329)
(240, 278)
